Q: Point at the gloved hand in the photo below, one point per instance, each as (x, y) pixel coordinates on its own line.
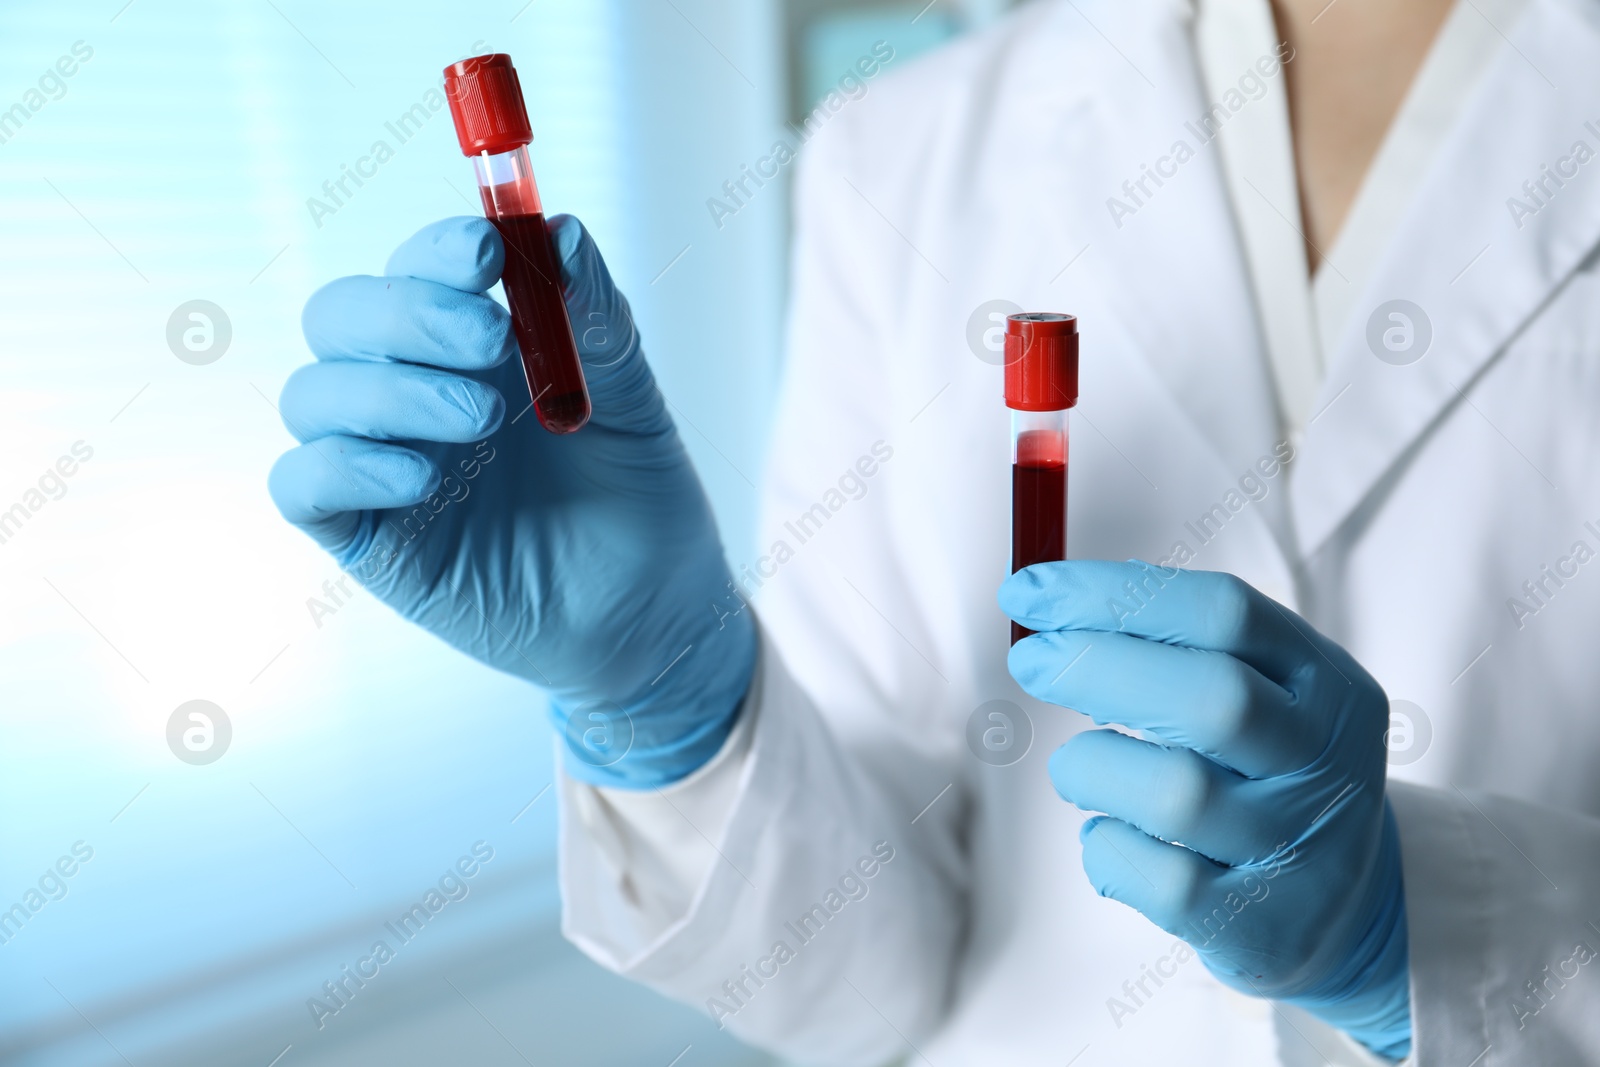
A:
(588, 564)
(1252, 824)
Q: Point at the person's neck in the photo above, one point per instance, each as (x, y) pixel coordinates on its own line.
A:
(1354, 62)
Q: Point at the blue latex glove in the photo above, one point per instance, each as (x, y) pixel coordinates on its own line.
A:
(588, 564)
(1265, 760)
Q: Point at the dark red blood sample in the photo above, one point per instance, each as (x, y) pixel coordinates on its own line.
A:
(550, 361)
(1038, 505)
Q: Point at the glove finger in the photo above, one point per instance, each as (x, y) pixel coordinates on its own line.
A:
(323, 485)
(622, 389)
(1206, 701)
(1196, 609)
(1173, 794)
(464, 252)
(388, 402)
(406, 319)
(1168, 884)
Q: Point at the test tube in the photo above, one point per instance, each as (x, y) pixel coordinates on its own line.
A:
(1041, 357)
(492, 126)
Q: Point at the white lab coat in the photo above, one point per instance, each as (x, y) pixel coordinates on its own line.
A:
(1421, 498)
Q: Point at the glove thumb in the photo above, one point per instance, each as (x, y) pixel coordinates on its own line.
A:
(622, 390)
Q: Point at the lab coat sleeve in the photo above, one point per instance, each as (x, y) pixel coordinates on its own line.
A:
(1502, 901)
(828, 922)
(652, 848)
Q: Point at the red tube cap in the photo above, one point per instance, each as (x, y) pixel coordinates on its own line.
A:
(1041, 361)
(486, 104)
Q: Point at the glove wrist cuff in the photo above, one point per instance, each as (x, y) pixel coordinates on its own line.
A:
(669, 733)
(1369, 998)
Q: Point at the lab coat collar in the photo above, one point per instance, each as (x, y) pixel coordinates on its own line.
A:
(1172, 279)
(1473, 260)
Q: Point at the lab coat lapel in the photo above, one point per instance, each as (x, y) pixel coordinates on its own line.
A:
(1473, 265)
(1173, 275)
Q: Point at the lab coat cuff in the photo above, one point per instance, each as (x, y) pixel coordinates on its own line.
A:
(1500, 895)
(597, 914)
(1447, 906)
